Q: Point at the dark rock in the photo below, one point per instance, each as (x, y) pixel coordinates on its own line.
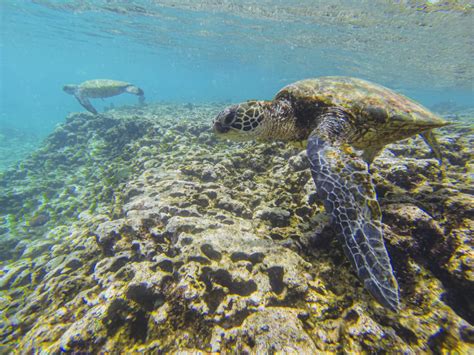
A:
(228, 204)
(278, 217)
(209, 174)
(39, 220)
(299, 162)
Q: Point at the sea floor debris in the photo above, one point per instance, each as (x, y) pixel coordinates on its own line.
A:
(136, 230)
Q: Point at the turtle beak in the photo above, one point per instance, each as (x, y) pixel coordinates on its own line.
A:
(219, 128)
(69, 89)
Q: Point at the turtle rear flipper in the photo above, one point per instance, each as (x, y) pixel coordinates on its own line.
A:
(344, 185)
(135, 90)
(84, 101)
(432, 142)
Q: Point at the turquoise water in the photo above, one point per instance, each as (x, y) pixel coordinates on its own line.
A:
(138, 229)
(224, 51)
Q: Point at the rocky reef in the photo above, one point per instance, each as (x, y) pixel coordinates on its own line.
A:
(136, 230)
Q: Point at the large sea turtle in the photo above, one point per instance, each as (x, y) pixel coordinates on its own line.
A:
(101, 88)
(336, 115)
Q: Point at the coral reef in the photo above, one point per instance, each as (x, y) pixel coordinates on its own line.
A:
(136, 230)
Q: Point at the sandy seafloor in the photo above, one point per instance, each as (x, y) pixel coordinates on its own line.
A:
(137, 230)
(15, 145)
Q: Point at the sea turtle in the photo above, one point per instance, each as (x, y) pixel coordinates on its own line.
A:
(101, 88)
(335, 115)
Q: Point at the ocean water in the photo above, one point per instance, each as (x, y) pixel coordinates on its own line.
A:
(193, 58)
(225, 51)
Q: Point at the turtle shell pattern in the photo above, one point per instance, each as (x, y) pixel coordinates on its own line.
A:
(100, 88)
(379, 115)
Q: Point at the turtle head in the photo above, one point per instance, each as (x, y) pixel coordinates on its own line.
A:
(242, 121)
(70, 88)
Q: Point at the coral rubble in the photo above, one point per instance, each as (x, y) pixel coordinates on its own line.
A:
(136, 230)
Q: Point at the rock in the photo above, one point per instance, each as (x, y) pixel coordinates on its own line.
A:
(15, 273)
(228, 204)
(161, 237)
(425, 233)
(461, 261)
(83, 332)
(248, 174)
(278, 217)
(108, 233)
(202, 200)
(299, 162)
(410, 173)
(226, 263)
(270, 330)
(177, 225)
(209, 174)
(38, 220)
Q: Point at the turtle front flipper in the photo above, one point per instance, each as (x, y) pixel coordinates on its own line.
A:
(344, 185)
(84, 101)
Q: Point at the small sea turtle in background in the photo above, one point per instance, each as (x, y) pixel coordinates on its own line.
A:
(101, 88)
(335, 115)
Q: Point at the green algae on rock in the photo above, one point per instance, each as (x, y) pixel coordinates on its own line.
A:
(195, 245)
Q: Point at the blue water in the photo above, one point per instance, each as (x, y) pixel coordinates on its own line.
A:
(209, 52)
(73, 280)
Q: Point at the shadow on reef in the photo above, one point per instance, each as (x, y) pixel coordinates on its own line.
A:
(137, 230)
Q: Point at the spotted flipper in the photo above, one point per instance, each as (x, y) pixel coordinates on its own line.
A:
(344, 185)
(85, 103)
